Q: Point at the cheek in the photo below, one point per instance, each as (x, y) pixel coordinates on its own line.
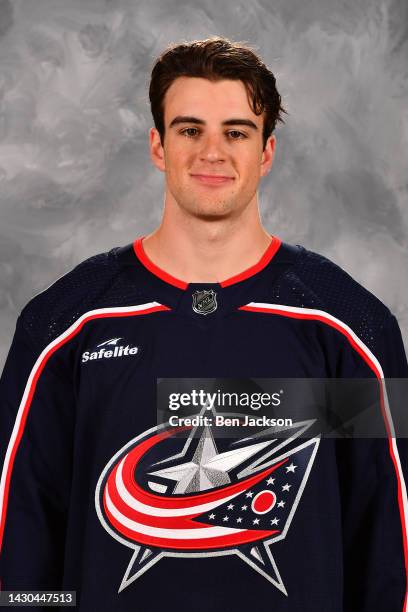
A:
(250, 166)
(178, 162)
(249, 156)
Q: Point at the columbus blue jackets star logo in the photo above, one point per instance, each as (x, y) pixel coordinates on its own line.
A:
(163, 494)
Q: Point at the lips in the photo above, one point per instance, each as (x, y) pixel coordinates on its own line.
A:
(212, 179)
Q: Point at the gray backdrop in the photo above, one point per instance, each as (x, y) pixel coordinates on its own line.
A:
(75, 173)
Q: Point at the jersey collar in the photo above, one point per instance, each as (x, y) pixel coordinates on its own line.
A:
(172, 280)
(252, 285)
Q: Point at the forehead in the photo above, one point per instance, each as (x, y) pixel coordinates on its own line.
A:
(208, 100)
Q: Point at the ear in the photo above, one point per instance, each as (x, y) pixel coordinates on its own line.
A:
(267, 155)
(156, 150)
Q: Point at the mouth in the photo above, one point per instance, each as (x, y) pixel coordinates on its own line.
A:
(212, 179)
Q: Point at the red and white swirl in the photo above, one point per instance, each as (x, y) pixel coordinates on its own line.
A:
(167, 521)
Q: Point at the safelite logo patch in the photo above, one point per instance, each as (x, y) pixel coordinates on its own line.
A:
(110, 349)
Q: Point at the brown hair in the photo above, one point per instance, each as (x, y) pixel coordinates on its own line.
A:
(215, 59)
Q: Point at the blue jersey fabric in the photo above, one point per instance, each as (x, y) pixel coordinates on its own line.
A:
(70, 405)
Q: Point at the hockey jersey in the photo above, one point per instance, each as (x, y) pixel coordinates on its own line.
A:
(98, 498)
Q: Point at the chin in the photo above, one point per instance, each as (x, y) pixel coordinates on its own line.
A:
(214, 211)
(211, 216)
(207, 206)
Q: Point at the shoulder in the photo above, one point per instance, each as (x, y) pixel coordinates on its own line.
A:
(85, 287)
(315, 282)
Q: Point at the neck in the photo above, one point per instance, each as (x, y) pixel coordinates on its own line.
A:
(207, 251)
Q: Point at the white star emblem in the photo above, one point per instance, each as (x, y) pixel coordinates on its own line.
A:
(207, 468)
(281, 504)
(286, 487)
(244, 507)
(255, 521)
(249, 494)
(239, 520)
(270, 481)
(230, 507)
(211, 516)
(291, 468)
(275, 521)
(226, 518)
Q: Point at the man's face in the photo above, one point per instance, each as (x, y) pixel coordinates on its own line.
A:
(213, 153)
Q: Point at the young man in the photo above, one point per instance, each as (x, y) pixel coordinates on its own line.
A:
(96, 496)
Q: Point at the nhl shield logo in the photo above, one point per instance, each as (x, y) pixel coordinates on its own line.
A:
(205, 301)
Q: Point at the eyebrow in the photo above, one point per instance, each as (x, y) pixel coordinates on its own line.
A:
(188, 119)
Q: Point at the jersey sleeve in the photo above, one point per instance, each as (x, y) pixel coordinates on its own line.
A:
(36, 425)
(373, 493)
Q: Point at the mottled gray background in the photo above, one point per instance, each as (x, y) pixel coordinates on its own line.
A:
(75, 174)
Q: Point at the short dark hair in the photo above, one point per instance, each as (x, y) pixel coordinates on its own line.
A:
(215, 59)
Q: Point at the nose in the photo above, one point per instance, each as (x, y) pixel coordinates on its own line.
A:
(212, 149)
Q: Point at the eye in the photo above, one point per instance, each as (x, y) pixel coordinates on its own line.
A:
(236, 134)
(190, 132)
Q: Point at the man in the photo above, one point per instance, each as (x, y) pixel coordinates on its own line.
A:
(99, 498)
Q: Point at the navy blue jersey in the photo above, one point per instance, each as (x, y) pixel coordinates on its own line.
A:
(98, 498)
